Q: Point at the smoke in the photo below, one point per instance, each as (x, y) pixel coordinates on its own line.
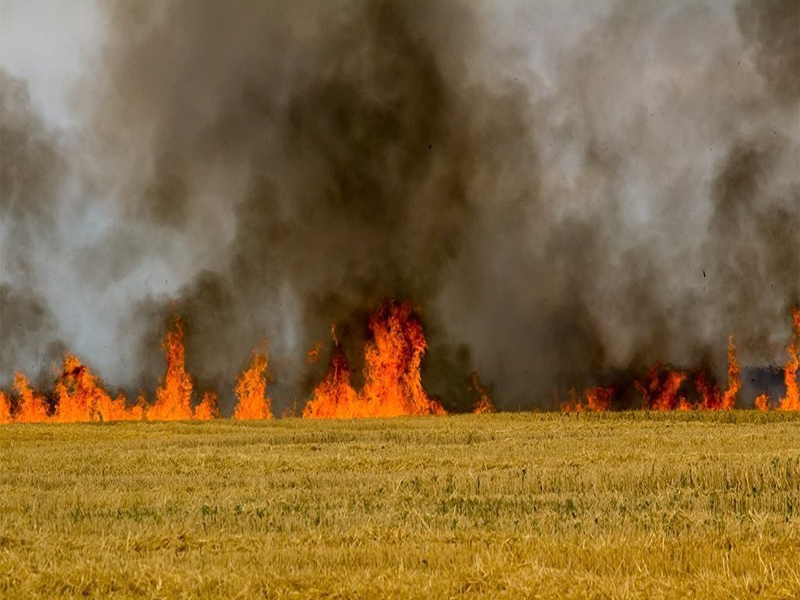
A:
(564, 191)
(31, 170)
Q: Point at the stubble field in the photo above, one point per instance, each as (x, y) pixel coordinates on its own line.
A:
(510, 505)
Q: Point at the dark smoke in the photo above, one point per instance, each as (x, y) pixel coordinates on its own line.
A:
(559, 218)
(31, 172)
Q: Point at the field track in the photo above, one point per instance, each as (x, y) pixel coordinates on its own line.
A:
(703, 505)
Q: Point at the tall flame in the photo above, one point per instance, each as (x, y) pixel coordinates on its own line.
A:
(791, 401)
(174, 394)
(734, 378)
(393, 381)
(251, 391)
(32, 406)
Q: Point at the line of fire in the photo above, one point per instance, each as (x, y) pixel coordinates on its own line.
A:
(392, 385)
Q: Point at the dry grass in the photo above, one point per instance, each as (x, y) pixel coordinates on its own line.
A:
(566, 506)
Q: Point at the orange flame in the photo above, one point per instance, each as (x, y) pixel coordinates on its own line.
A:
(393, 381)
(251, 390)
(5, 409)
(32, 406)
(791, 401)
(709, 391)
(595, 399)
(208, 408)
(734, 378)
(762, 402)
(484, 404)
(81, 397)
(335, 398)
(660, 390)
(174, 394)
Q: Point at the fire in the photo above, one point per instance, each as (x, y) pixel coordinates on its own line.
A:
(335, 397)
(32, 406)
(5, 409)
(81, 397)
(711, 399)
(595, 399)
(791, 401)
(393, 380)
(251, 391)
(484, 405)
(392, 384)
(314, 354)
(660, 391)
(174, 394)
(734, 378)
(207, 409)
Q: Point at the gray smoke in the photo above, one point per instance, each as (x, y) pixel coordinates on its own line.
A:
(564, 191)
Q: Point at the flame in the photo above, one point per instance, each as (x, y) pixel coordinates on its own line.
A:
(709, 392)
(251, 390)
(174, 394)
(734, 378)
(594, 399)
(393, 381)
(484, 404)
(81, 397)
(208, 407)
(314, 354)
(32, 406)
(335, 397)
(392, 387)
(661, 387)
(5, 409)
(791, 401)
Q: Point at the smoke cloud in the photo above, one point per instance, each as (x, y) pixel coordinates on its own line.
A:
(563, 191)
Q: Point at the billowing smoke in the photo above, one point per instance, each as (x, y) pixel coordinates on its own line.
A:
(563, 190)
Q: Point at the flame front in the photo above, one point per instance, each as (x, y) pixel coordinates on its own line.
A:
(392, 386)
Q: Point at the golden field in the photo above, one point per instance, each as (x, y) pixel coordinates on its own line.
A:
(614, 505)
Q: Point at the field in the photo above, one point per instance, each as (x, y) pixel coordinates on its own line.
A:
(703, 505)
